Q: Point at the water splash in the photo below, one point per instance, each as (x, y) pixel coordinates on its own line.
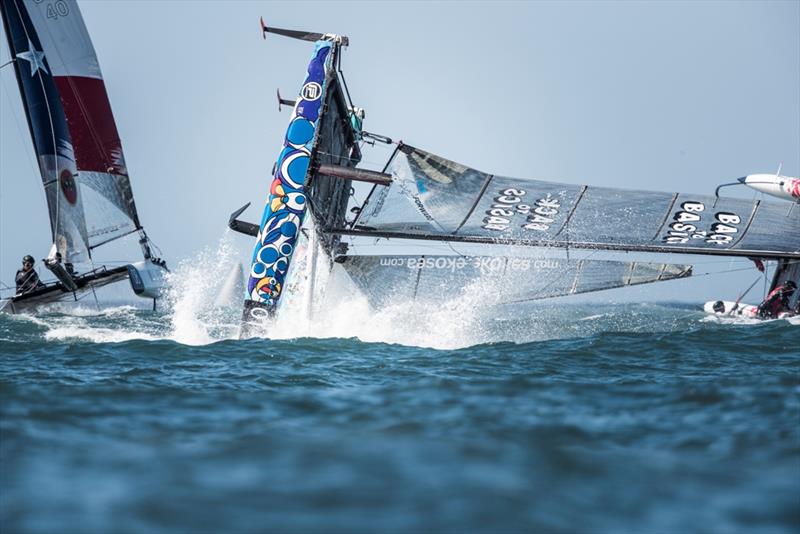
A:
(81, 324)
(194, 287)
(320, 301)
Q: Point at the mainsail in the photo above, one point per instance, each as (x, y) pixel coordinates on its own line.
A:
(69, 114)
(494, 279)
(435, 198)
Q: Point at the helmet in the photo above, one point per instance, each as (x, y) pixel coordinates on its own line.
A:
(28, 259)
(790, 284)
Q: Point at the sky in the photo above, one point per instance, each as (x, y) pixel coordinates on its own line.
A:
(666, 96)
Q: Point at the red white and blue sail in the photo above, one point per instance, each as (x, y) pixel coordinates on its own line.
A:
(74, 134)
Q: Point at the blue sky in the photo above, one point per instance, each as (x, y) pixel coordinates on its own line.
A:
(676, 96)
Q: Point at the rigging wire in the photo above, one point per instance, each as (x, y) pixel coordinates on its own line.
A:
(31, 157)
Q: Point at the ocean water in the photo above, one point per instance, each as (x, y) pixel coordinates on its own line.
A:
(568, 418)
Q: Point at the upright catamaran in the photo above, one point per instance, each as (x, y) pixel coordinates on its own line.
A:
(78, 151)
(422, 197)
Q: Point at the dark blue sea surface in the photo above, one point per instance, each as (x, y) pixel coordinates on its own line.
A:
(619, 418)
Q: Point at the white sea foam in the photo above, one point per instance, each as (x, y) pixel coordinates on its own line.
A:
(321, 301)
(189, 314)
(96, 335)
(93, 311)
(337, 309)
(77, 323)
(194, 287)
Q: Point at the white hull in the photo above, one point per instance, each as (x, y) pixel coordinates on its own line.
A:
(742, 310)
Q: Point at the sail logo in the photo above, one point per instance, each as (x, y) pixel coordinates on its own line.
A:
(687, 221)
(68, 186)
(311, 91)
(484, 264)
(35, 58)
(505, 205)
(544, 214)
(508, 203)
(406, 189)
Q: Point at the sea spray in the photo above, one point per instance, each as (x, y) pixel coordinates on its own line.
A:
(337, 309)
(194, 287)
(321, 301)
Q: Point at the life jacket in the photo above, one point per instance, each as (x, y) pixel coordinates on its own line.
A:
(776, 301)
(26, 281)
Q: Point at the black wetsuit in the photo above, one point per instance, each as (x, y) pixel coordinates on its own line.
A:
(27, 281)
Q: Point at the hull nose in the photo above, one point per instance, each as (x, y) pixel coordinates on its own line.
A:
(778, 186)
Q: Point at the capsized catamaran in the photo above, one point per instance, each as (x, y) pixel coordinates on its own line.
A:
(422, 197)
(79, 153)
(432, 198)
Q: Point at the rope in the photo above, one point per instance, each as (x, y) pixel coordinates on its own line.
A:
(746, 291)
(31, 158)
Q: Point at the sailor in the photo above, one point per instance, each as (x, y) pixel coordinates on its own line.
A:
(777, 301)
(27, 279)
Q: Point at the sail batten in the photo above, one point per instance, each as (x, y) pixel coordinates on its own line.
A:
(430, 195)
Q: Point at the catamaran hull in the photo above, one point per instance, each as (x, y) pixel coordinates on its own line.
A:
(730, 309)
(56, 293)
(726, 308)
(783, 187)
(147, 278)
(255, 317)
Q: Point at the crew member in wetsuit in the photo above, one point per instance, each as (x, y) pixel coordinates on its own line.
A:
(777, 301)
(27, 279)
